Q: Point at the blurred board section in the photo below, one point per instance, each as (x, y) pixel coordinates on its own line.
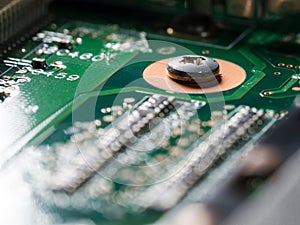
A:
(97, 129)
(17, 15)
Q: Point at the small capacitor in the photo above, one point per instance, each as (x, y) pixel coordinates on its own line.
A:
(39, 63)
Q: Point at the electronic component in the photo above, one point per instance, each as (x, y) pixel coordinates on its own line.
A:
(62, 40)
(122, 134)
(123, 162)
(194, 70)
(187, 172)
(259, 163)
(39, 63)
(64, 44)
(91, 161)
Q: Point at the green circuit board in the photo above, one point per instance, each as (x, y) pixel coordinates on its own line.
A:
(98, 144)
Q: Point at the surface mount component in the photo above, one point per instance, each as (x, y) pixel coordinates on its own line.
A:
(220, 140)
(39, 63)
(194, 70)
(117, 137)
(64, 44)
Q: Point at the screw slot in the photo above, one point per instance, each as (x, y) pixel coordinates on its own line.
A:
(193, 60)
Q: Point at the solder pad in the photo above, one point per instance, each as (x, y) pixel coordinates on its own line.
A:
(157, 75)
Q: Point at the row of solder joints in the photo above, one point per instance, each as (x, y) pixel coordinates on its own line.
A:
(119, 135)
(187, 172)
